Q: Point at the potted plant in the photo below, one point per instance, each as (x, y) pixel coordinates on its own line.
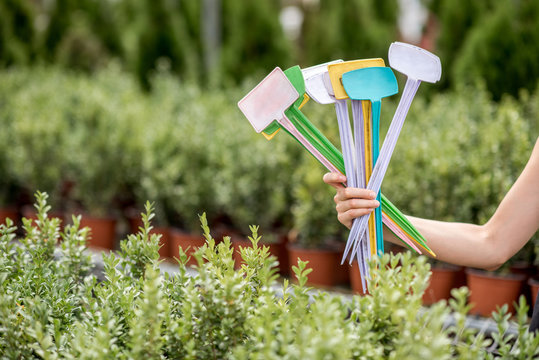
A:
(192, 177)
(104, 154)
(316, 230)
(523, 263)
(9, 189)
(160, 169)
(35, 146)
(492, 289)
(503, 286)
(94, 195)
(444, 277)
(255, 188)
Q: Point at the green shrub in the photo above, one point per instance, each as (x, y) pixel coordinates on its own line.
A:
(187, 149)
(490, 41)
(9, 182)
(108, 116)
(70, 128)
(35, 131)
(144, 36)
(258, 187)
(51, 306)
(502, 49)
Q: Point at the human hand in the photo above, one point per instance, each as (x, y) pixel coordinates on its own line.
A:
(351, 202)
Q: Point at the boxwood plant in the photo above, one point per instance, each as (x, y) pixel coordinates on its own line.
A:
(53, 307)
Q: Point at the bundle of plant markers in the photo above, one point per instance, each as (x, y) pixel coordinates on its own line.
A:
(275, 104)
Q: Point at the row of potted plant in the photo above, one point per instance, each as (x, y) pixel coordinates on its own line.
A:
(106, 147)
(489, 290)
(101, 146)
(189, 151)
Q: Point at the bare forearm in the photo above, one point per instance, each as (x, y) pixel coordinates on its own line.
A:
(489, 246)
(456, 243)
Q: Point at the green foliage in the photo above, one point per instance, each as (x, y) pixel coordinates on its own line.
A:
(9, 182)
(35, 134)
(258, 188)
(144, 36)
(51, 308)
(482, 40)
(490, 41)
(456, 20)
(41, 297)
(106, 144)
(502, 49)
(81, 137)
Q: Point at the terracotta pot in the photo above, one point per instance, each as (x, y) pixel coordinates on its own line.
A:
(397, 249)
(442, 280)
(282, 257)
(355, 279)
(342, 272)
(238, 242)
(523, 268)
(534, 286)
(322, 261)
(188, 242)
(460, 278)
(9, 213)
(491, 290)
(103, 231)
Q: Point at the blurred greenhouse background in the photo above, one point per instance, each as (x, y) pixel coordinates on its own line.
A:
(105, 104)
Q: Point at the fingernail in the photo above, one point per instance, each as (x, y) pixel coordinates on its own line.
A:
(377, 203)
(373, 194)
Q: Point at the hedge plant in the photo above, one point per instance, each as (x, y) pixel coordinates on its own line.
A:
(52, 307)
(9, 182)
(106, 140)
(35, 131)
